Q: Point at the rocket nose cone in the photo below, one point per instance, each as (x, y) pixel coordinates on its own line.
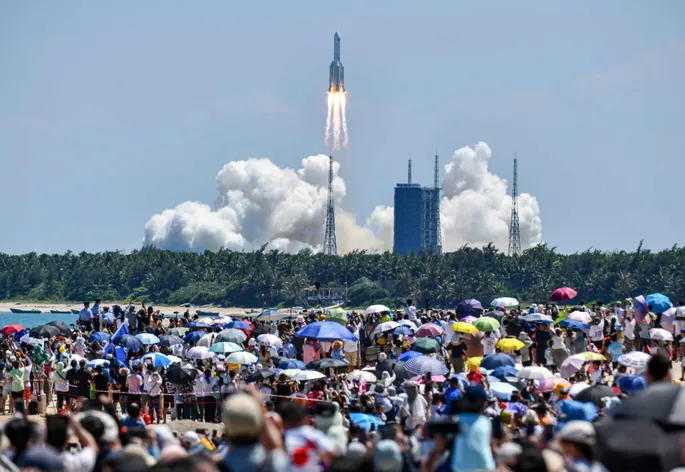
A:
(336, 35)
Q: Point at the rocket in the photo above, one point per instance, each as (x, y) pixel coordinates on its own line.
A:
(336, 79)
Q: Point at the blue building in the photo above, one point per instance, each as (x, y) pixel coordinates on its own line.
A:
(417, 217)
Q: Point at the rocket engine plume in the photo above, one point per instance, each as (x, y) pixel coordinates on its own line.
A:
(336, 122)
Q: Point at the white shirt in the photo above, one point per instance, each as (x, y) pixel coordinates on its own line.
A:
(411, 312)
(489, 343)
(310, 441)
(153, 384)
(619, 314)
(202, 387)
(597, 331)
(629, 330)
(82, 461)
(680, 313)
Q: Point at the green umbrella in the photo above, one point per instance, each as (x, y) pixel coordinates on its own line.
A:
(486, 324)
(425, 345)
(225, 347)
(337, 314)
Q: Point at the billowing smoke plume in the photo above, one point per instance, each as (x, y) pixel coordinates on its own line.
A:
(261, 203)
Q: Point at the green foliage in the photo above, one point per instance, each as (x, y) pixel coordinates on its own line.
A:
(276, 279)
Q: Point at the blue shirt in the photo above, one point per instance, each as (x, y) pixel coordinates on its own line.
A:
(615, 350)
(96, 309)
(471, 449)
(85, 314)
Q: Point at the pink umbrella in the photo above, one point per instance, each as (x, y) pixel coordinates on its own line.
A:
(563, 294)
(581, 316)
(469, 319)
(548, 385)
(434, 378)
(429, 330)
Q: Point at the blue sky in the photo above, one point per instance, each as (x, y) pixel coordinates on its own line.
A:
(110, 113)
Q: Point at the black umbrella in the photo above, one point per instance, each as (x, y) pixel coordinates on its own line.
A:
(401, 373)
(384, 366)
(44, 331)
(180, 373)
(169, 340)
(326, 364)
(469, 307)
(261, 374)
(661, 402)
(636, 445)
(496, 314)
(595, 394)
(64, 330)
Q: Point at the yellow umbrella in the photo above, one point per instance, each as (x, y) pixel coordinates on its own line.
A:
(473, 362)
(590, 356)
(290, 372)
(510, 344)
(465, 328)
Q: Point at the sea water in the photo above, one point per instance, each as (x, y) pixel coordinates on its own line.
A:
(31, 320)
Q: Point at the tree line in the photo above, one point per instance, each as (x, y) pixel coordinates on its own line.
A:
(253, 279)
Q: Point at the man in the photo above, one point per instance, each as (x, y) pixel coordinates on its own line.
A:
(619, 312)
(410, 310)
(97, 322)
(57, 435)
(680, 317)
(659, 369)
(100, 380)
(578, 442)
(85, 317)
(83, 379)
(308, 447)
(132, 419)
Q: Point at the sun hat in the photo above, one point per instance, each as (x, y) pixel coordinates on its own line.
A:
(387, 456)
(242, 416)
(578, 432)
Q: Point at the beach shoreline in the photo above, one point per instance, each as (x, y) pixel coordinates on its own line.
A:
(165, 309)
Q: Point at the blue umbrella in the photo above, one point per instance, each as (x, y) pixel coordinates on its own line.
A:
(632, 383)
(326, 331)
(365, 421)
(158, 360)
(292, 364)
(471, 307)
(405, 356)
(130, 342)
(98, 337)
(96, 362)
(170, 340)
(504, 371)
(196, 324)
(502, 390)
(271, 315)
(238, 325)
(403, 331)
(659, 302)
(422, 364)
(147, 338)
(497, 360)
(518, 408)
(194, 336)
(573, 324)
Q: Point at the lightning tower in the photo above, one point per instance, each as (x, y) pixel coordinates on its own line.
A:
(409, 171)
(330, 247)
(436, 205)
(514, 232)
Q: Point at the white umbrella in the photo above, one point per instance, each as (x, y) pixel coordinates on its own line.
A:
(199, 352)
(505, 301)
(376, 309)
(383, 327)
(369, 368)
(362, 375)
(409, 323)
(576, 388)
(207, 340)
(534, 372)
(270, 339)
(635, 359)
(75, 357)
(659, 334)
(242, 358)
(174, 359)
(571, 365)
(32, 341)
(581, 316)
(206, 320)
(221, 320)
(538, 318)
(306, 375)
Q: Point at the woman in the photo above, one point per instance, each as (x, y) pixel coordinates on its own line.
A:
(134, 386)
(61, 388)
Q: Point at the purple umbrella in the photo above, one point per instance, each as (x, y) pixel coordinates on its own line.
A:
(469, 307)
(640, 308)
(468, 319)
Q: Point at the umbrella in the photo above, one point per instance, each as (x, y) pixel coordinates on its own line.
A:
(239, 325)
(197, 324)
(668, 318)
(573, 364)
(62, 326)
(199, 352)
(289, 372)
(504, 301)
(96, 362)
(463, 327)
(497, 360)
(425, 346)
(595, 394)
(130, 342)
(502, 390)
(181, 373)
(98, 337)
(270, 339)
(157, 359)
(580, 316)
(174, 359)
(632, 383)
(517, 408)
(194, 336)
(170, 340)
(429, 330)
(409, 323)
(423, 364)
(29, 340)
(337, 314)
(368, 377)
(147, 338)
(178, 331)
(660, 402)
(635, 445)
(504, 371)
(510, 344)
(207, 339)
(326, 331)
(563, 294)
(326, 364)
(573, 324)
(469, 319)
(405, 356)
(292, 364)
(44, 331)
(635, 359)
(261, 374)
(576, 388)
(537, 318)
(383, 327)
(470, 307)
(486, 324)
(659, 302)
(640, 307)
(242, 358)
(306, 375)
(403, 331)
(365, 421)
(225, 347)
(660, 334)
(472, 363)
(11, 329)
(271, 315)
(231, 335)
(548, 385)
(534, 372)
(376, 309)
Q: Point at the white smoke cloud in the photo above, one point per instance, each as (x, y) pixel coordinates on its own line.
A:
(261, 203)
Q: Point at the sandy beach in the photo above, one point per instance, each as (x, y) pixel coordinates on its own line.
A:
(167, 310)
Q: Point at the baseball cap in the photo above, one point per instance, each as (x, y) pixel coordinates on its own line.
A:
(191, 438)
(243, 417)
(387, 456)
(577, 431)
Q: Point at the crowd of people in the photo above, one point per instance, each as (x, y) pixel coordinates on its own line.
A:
(546, 388)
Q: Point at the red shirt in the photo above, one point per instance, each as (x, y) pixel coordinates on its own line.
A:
(475, 377)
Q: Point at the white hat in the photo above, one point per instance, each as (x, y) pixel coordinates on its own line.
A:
(577, 431)
(191, 438)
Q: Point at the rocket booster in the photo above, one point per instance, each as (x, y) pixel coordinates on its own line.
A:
(336, 78)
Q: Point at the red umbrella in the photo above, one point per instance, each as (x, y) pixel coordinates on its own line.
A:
(11, 329)
(563, 294)
(429, 330)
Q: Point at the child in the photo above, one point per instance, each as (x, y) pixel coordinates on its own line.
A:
(436, 404)
(475, 376)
